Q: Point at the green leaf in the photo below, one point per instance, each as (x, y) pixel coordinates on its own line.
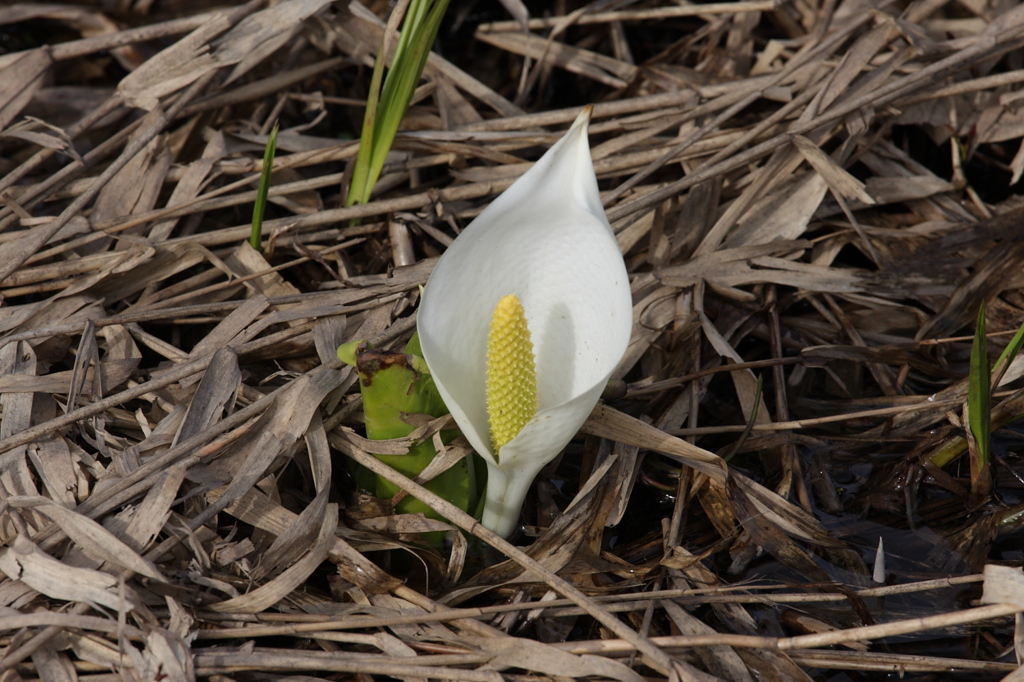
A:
(1008, 355)
(256, 234)
(386, 106)
(1004, 413)
(979, 397)
(395, 385)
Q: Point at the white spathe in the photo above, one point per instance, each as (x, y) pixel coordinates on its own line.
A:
(547, 240)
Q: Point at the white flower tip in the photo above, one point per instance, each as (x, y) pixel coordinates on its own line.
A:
(583, 118)
(577, 132)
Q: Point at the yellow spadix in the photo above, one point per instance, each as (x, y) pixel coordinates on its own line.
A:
(511, 373)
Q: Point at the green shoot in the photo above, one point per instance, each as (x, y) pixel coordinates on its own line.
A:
(394, 386)
(1008, 355)
(1008, 410)
(979, 412)
(386, 107)
(256, 234)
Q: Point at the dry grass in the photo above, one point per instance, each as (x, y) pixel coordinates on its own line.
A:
(816, 193)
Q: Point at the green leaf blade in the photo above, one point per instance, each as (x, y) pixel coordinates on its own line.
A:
(387, 104)
(979, 408)
(269, 152)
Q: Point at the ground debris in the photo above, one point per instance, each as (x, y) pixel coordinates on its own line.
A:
(813, 199)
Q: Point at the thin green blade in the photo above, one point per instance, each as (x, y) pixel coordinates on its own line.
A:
(979, 409)
(1008, 355)
(256, 233)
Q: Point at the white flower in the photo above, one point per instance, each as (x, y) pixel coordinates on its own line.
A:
(545, 240)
